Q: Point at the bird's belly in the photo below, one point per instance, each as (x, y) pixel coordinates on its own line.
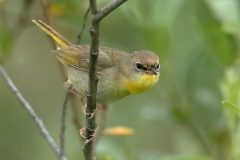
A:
(108, 90)
(78, 79)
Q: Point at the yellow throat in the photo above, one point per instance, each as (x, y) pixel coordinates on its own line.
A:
(139, 85)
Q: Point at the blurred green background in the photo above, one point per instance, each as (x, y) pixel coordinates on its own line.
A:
(191, 114)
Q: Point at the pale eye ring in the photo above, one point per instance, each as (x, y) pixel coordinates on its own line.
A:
(139, 66)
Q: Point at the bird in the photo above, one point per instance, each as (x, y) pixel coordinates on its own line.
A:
(119, 73)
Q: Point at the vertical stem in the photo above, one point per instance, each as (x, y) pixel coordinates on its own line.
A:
(80, 34)
(90, 124)
(63, 127)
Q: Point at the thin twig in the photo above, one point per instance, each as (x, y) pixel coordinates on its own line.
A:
(76, 111)
(107, 9)
(47, 16)
(76, 106)
(63, 126)
(80, 34)
(90, 123)
(26, 105)
(74, 103)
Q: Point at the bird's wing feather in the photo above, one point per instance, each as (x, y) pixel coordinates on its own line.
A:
(78, 56)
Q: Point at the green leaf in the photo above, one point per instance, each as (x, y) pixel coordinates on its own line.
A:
(231, 107)
(5, 42)
(156, 13)
(232, 28)
(106, 150)
(157, 38)
(187, 157)
(224, 10)
(166, 12)
(222, 44)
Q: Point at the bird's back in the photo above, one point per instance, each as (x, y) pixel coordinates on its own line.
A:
(78, 56)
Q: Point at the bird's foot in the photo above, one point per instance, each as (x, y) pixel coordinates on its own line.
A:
(83, 135)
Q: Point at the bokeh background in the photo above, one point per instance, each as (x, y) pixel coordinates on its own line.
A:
(191, 114)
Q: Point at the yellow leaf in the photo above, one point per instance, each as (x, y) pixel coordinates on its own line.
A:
(119, 131)
(55, 9)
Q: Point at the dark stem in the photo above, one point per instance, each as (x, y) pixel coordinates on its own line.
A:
(77, 112)
(80, 34)
(47, 16)
(90, 123)
(63, 126)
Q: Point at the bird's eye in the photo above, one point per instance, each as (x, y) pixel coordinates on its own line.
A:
(155, 66)
(139, 66)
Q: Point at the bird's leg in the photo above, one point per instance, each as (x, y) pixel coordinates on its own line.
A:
(71, 89)
(82, 134)
(82, 96)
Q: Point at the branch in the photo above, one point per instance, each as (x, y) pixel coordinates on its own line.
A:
(76, 111)
(48, 18)
(63, 127)
(80, 34)
(90, 123)
(107, 9)
(46, 14)
(26, 105)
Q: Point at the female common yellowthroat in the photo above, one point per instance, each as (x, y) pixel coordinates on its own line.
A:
(119, 73)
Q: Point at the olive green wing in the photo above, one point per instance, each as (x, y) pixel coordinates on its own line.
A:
(78, 56)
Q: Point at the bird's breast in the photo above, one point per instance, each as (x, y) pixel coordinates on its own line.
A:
(141, 83)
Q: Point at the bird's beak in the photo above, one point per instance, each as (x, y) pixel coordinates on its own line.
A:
(154, 71)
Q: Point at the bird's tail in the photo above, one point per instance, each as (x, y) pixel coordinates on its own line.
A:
(59, 39)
